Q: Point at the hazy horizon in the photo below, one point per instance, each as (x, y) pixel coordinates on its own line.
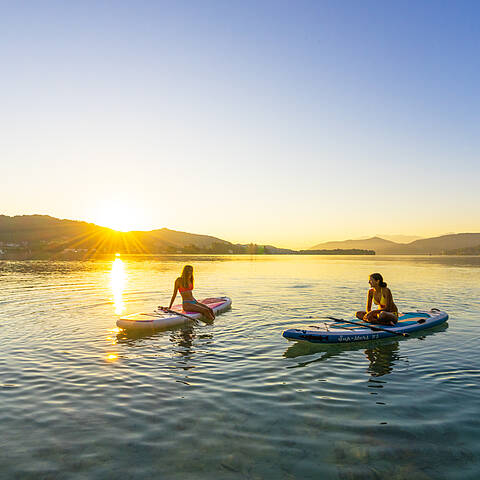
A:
(398, 238)
(271, 122)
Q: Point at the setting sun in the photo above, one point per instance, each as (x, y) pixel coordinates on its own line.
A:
(119, 216)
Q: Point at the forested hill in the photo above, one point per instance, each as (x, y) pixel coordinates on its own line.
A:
(42, 233)
(42, 228)
(42, 236)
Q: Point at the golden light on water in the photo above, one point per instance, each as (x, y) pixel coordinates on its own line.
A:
(111, 357)
(118, 280)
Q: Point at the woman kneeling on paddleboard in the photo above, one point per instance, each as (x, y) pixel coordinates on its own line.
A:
(387, 313)
(184, 285)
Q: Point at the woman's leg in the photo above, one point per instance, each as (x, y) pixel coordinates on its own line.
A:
(360, 315)
(200, 308)
(387, 318)
(208, 312)
(211, 312)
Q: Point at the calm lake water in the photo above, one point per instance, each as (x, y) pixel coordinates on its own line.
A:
(81, 399)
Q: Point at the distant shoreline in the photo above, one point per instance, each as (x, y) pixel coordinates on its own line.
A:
(82, 255)
(44, 237)
(110, 256)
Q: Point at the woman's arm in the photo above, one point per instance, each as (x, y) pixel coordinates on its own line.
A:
(175, 290)
(369, 300)
(370, 314)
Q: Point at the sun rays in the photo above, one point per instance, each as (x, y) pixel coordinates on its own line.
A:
(101, 240)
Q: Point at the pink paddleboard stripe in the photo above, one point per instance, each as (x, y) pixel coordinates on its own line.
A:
(211, 305)
(211, 302)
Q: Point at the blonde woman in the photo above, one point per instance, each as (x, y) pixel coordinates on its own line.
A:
(184, 285)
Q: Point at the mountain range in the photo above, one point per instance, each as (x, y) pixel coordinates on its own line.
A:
(395, 238)
(444, 244)
(44, 236)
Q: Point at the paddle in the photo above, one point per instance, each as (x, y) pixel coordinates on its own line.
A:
(369, 326)
(326, 326)
(165, 309)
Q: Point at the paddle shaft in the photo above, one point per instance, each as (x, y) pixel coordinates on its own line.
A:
(182, 315)
(369, 326)
(316, 326)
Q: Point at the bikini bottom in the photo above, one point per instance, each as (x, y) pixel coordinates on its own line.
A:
(190, 301)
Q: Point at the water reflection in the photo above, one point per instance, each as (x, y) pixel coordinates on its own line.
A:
(382, 355)
(182, 336)
(382, 358)
(118, 280)
(379, 352)
(184, 339)
(111, 357)
(136, 337)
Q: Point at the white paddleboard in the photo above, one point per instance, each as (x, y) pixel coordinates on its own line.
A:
(160, 319)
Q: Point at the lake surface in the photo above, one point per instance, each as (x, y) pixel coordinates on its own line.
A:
(231, 400)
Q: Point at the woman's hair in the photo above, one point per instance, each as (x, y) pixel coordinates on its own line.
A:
(187, 272)
(378, 276)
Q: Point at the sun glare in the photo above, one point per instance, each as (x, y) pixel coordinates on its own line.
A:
(118, 216)
(118, 280)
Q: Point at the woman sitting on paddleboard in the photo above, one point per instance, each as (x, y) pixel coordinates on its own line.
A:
(387, 312)
(184, 285)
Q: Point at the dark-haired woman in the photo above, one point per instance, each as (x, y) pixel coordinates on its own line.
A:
(386, 312)
(184, 285)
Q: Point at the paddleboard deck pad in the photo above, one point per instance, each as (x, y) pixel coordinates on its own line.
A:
(160, 319)
(339, 332)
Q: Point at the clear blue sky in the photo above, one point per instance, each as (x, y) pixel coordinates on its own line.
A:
(287, 123)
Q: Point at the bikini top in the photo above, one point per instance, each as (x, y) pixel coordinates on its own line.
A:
(383, 300)
(188, 289)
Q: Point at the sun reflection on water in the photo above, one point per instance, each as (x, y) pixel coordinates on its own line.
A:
(118, 280)
(111, 357)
